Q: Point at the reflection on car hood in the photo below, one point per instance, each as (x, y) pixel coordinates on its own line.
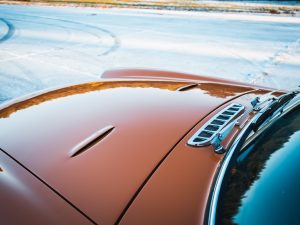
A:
(149, 118)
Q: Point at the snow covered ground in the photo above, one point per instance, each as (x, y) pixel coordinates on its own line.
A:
(42, 47)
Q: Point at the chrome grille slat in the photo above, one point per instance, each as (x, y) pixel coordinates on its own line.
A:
(204, 135)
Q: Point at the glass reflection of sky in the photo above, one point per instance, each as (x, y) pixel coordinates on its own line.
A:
(276, 190)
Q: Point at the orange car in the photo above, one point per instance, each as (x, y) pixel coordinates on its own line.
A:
(149, 147)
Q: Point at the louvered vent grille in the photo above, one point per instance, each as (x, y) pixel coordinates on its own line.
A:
(207, 132)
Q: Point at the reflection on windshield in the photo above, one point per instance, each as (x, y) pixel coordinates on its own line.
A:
(264, 188)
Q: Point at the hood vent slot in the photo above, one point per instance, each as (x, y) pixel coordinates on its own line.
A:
(187, 87)
(207, 132)
(90, 141)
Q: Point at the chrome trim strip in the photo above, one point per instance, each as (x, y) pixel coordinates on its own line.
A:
(228, 157)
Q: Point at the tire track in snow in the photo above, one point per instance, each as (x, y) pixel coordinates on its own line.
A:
(116, 41)
(10, 32)
(28, 82)
(30, 56)
(15, 56)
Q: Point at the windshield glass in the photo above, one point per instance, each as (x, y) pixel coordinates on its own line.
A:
(264, 185)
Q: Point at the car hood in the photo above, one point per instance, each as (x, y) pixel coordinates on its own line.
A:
(140, 123)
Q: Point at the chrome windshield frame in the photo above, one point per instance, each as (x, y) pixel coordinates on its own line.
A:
(247, 133)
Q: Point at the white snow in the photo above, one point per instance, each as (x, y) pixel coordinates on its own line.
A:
(56, 46)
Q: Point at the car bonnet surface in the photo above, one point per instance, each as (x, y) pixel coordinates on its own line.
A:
(141, 121)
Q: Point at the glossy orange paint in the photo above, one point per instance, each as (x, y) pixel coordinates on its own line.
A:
(152, 121)
(178, 193)
(25, 200)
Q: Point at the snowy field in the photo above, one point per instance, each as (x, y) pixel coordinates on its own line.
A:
(43, 47)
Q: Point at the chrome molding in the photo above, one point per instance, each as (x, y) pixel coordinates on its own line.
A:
(228, 157)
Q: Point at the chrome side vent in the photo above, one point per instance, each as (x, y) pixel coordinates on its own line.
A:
(211, 128)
